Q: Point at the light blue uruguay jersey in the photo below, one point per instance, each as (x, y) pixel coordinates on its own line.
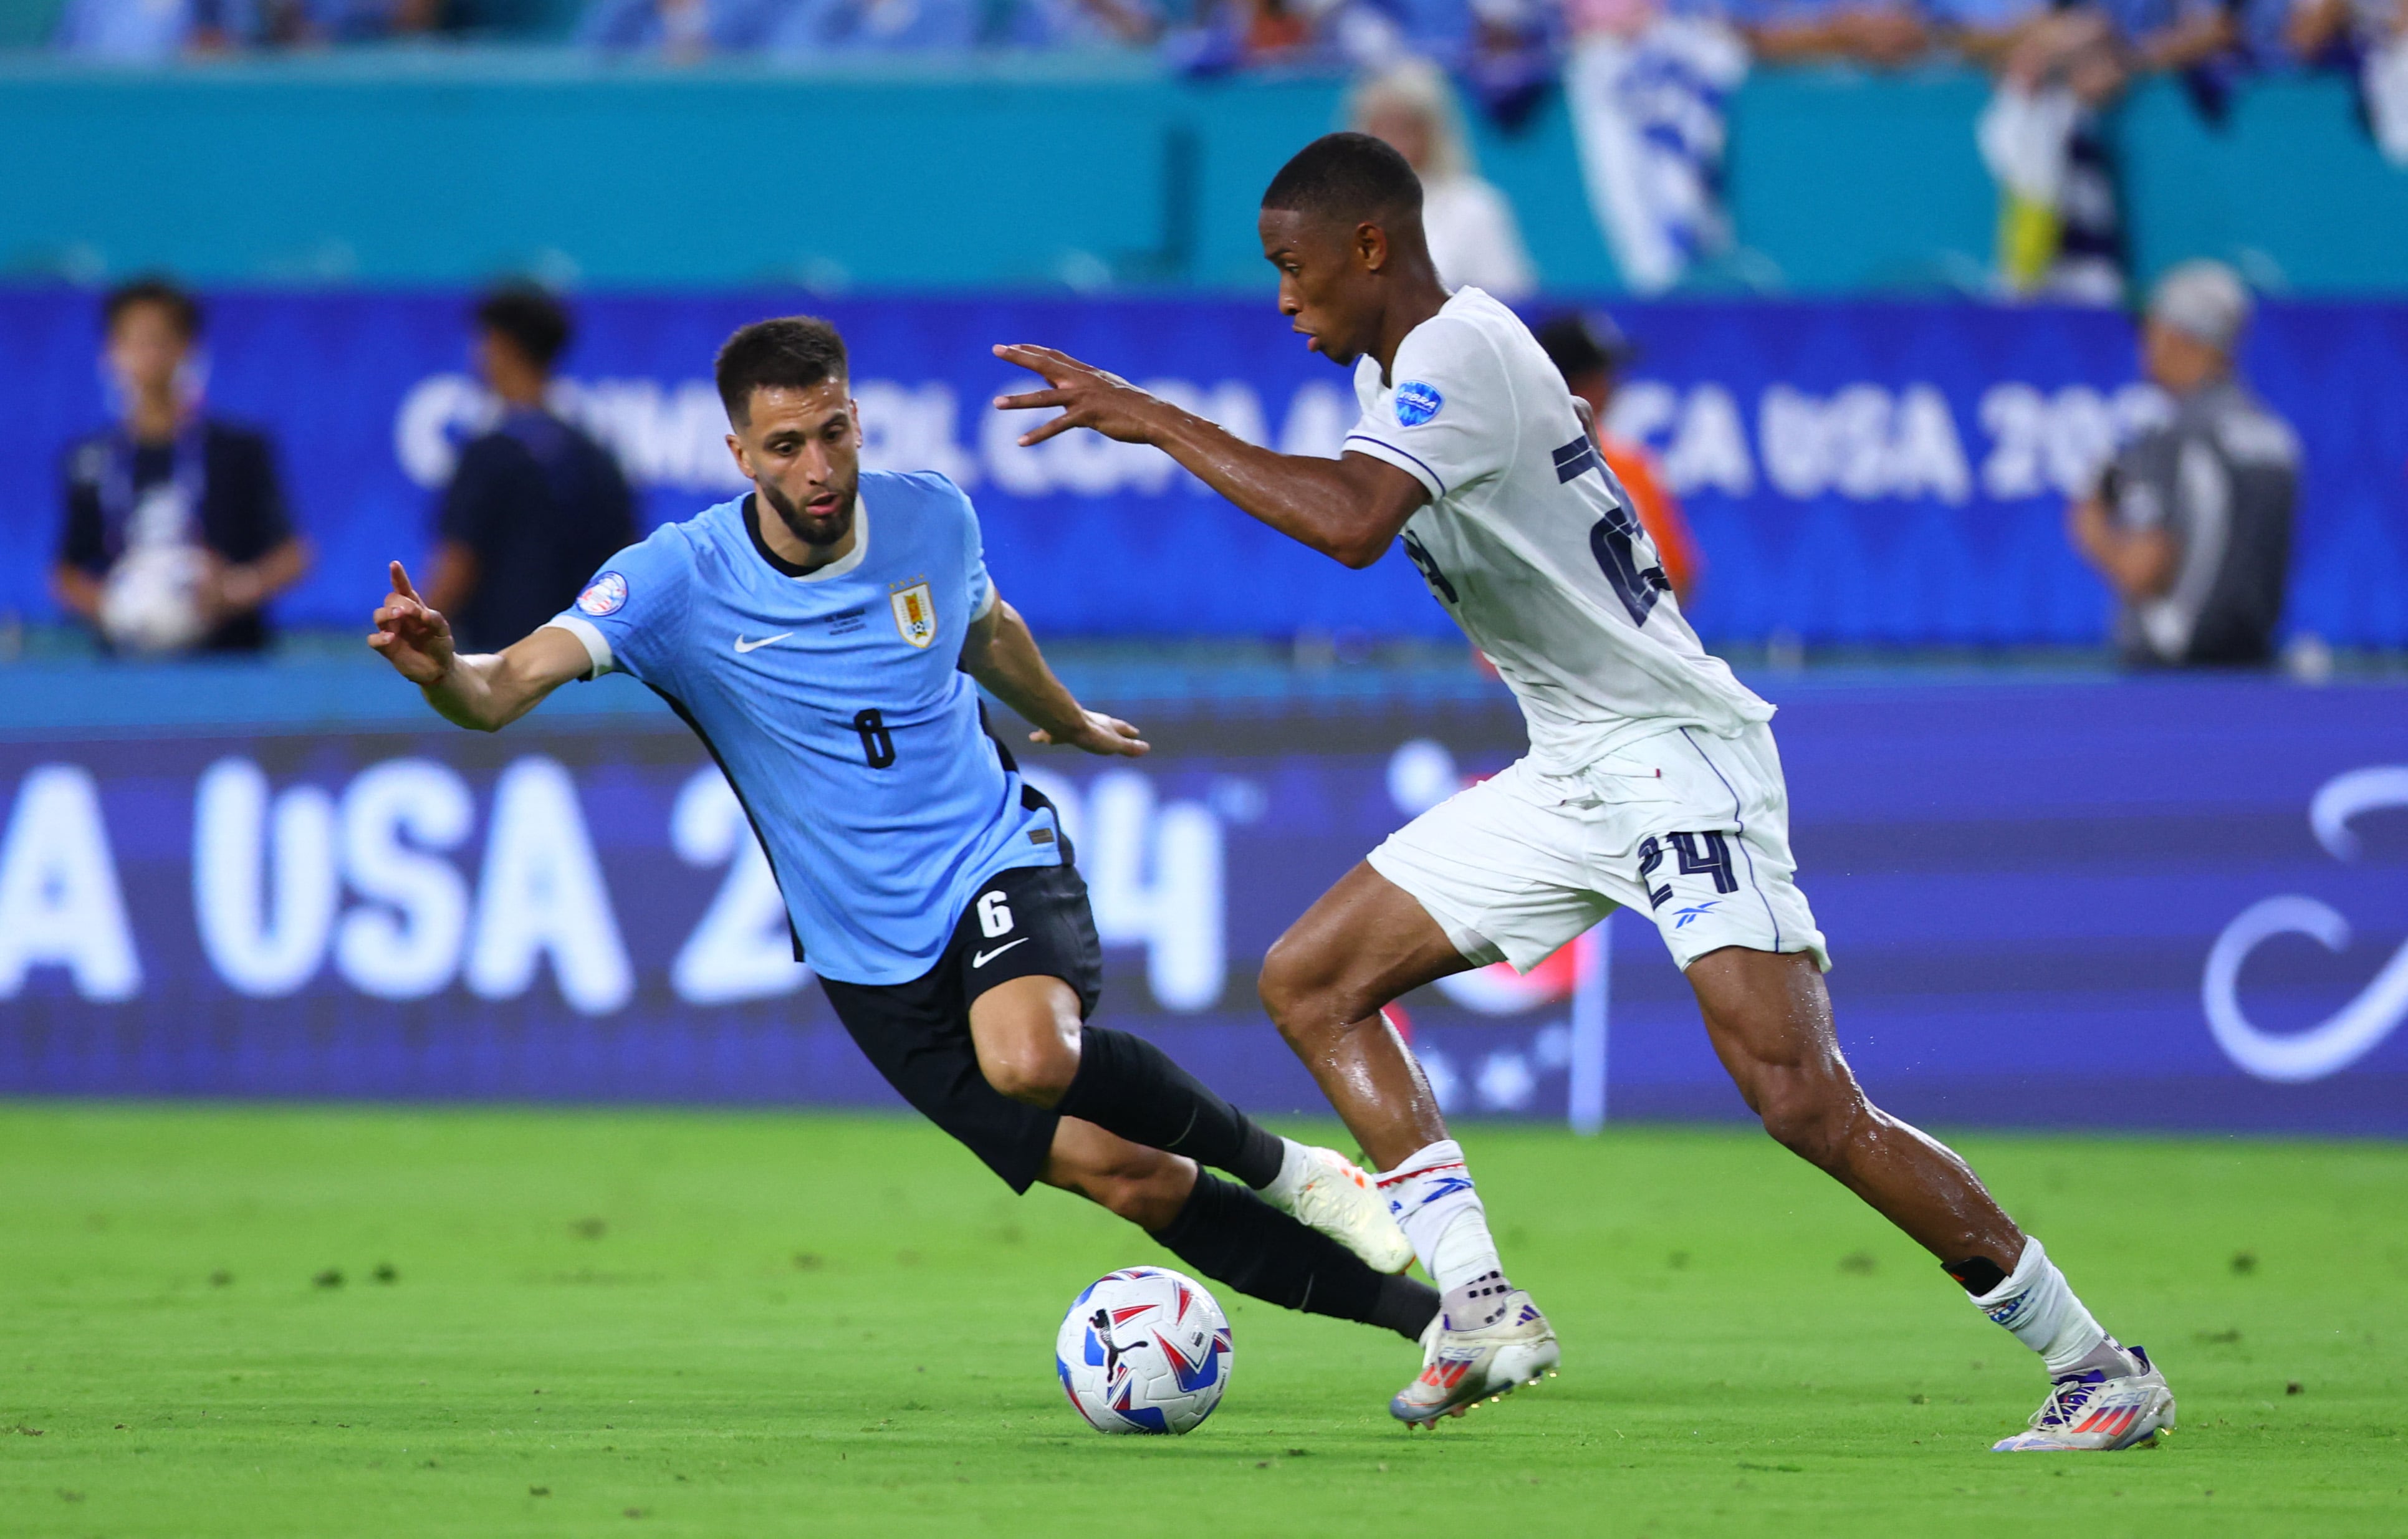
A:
(834, 702)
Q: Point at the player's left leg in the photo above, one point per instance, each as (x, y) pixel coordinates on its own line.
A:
(1231, 1235)
(917, 1035)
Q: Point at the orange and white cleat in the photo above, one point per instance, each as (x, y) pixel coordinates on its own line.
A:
(1327, 1191)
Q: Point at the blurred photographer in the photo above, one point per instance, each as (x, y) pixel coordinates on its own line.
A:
(536, 505)
(175, 531)
(2191, 523)
(1591, 354)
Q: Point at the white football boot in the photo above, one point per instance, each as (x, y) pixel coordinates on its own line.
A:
(2094, 1413)
(1462, 1367)
(1333, 1195)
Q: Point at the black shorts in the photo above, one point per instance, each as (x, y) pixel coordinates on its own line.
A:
(1032, 922)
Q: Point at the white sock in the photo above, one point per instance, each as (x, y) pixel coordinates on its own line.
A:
(1439, 1208)
(1294, 1164)
(2038, 1309)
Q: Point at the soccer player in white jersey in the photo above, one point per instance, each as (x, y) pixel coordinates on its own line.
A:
(1651, 783)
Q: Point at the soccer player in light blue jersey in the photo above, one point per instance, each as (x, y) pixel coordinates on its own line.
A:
(825, 636)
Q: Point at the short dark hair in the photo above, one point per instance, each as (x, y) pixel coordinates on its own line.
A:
(183, 310)
(1348, 176)
(789, 352)
(532, 321)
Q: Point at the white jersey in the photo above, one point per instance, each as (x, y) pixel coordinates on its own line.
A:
(1530, 543)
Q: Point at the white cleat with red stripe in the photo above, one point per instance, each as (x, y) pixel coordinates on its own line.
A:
(1462, 1367)
(2093, 1413)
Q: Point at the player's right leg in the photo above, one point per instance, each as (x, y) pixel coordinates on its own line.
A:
(1029, 967)
(917, 1036)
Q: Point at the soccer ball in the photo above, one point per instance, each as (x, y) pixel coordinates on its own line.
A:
(1144, 1350)
(150, 601)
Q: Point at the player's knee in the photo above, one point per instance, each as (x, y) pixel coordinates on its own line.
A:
(1809, 1115)
(1148, 1189)
(1298, 989)
(1035, 1072)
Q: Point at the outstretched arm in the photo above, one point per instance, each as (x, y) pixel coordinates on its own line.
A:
(1002, 655)
(486, 692)
(1348, 508)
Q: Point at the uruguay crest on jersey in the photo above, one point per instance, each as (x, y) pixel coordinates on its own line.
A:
(915, 613)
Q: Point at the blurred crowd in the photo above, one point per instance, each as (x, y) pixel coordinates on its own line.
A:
(1507, 51)
(1646, 83)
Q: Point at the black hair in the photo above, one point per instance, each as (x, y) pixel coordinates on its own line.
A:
(530, 318)
(789, 352)
(1347, 176)
(183, 310)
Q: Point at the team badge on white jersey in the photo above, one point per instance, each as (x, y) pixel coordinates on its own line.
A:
(915, 613)
(1531, 542)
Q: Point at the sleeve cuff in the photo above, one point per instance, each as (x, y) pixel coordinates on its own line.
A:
(988, 608)
(597, 647)
(1379, 449)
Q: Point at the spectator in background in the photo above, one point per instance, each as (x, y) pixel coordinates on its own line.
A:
(150, 31)
(1645, 82)
(1362, 34)
(2191, 525)
(2369, 36)
(2060, 231)
(315, 23)
(1591, 353)
(534, 505)
(2060, 228)
(812, 27)
(1473, 238)
(682, 31)
(175, 533)
(1884, 33)
(157, 31)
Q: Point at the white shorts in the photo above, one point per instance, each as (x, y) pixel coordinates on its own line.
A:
(1686, 826)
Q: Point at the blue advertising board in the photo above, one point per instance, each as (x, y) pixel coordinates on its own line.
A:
(1883, 474)
(2088, 904)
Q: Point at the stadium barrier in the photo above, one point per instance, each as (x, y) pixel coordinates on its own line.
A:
(2073, 903)
(1884, 474)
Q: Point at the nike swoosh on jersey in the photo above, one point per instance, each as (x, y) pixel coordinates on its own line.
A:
(983, 957)
(743, 646)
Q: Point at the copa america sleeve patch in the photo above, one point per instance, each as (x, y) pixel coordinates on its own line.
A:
(1418, 403)
(606, 595)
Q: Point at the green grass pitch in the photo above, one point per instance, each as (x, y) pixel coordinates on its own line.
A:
(651, 1323)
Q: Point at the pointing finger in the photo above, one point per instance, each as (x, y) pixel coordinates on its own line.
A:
(401, 582)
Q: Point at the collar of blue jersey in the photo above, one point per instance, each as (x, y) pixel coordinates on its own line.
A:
(750, 515)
